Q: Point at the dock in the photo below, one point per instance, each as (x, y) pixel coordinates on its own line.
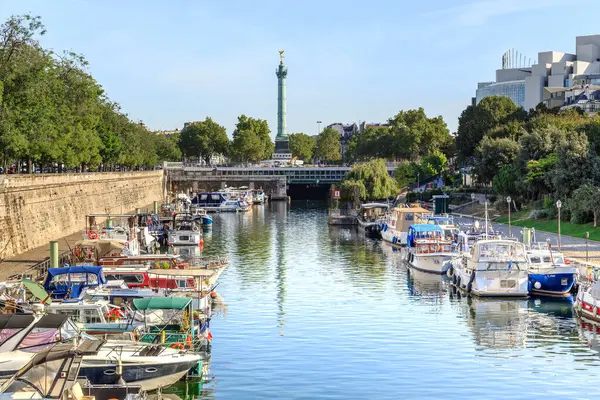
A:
(337, 217)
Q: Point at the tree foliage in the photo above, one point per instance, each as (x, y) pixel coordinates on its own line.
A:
(251, 140)
(493, 112)
(54, 113)
(585, 200)
(493, 154)
(328, 148)
(204, 139)
(375, 177)
(302, 146)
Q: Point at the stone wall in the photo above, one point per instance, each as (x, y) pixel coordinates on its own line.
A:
(35, 209)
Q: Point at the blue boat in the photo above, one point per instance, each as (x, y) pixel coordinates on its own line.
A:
(70, 283)
(549, 274)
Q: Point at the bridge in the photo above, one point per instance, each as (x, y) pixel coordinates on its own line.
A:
(276, 181)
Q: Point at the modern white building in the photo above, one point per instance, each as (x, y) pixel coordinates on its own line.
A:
(554, 70)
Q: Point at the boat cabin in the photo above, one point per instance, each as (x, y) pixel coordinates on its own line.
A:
(372, 212)
(404, 217)
(84, 312)
(496, 254)
(70, 283)
(428, 238)
(209, 199)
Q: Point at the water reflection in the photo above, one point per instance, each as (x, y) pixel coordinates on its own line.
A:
(278, 225)
(496, 323)
(422, 284)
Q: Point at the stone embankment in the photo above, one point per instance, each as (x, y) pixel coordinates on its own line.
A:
(35, 209)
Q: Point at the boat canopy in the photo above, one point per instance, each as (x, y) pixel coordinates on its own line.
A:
(79, 269)
(425, 228)
(161, 303)
(375, 205)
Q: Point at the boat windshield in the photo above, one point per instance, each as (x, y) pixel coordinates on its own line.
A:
(500, 251)
(43, 337)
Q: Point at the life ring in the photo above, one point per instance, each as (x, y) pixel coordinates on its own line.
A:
(177, 346)
(93, 235)
(195, 228)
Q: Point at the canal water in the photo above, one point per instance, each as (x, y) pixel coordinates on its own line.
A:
(311, 311)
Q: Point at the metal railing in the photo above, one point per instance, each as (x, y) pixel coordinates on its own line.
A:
(38, 271)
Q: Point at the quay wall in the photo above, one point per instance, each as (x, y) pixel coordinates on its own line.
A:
(35, 209)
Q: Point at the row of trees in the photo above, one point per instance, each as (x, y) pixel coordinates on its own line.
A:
(53, 113)
(252, 142)
(410, 136)
(537, 156)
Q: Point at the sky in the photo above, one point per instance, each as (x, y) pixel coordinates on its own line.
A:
(168, 62)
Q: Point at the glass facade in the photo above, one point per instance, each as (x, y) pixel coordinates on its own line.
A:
(514, 90)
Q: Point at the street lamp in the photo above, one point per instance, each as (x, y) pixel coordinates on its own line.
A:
(558, 206)
(508, 199)
(318, 127)
(419, 184)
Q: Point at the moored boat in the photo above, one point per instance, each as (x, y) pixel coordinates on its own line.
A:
(369, 217)
(496, 268)
(427, 250)
(549, 274)
(394, 226)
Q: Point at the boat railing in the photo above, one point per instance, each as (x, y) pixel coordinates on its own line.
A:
(206, 261)
(38, 271)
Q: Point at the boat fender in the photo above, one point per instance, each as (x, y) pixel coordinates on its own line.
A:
(458, 281)
(537, 285)
(470, 284)
(594, 310)
(394, 240)
(195, 228)
(454, 280)
(450, 271)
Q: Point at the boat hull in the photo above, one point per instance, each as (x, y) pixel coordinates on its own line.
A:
(434, 263)
(149, 377)
(498, 283)
(207, 220)
(551, 283)
(393, 237)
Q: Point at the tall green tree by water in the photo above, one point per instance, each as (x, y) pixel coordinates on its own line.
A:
(374, 177)
(302, 146)
(252, 140)
(328, 146)
(204, 139)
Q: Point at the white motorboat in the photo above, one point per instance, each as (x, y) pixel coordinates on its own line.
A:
(494, 267)
(427, 250)
(147, 365)
(370, 215)
(185, 231)
(394, 226)
(587, 303)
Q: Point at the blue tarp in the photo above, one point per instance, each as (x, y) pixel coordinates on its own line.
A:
(79, 269)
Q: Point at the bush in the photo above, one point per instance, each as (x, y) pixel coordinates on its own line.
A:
(538, 214)
(580, 217)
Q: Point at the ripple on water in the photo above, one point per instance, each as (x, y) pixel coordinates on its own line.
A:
(313, 311)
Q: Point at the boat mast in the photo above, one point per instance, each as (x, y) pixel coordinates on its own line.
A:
(486, 220)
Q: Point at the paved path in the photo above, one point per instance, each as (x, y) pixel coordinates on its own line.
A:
(20, 263)
(570, 246)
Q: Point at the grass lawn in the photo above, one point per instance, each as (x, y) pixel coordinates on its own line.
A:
(566, 228)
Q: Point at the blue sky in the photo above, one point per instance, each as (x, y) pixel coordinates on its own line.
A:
(167, 62)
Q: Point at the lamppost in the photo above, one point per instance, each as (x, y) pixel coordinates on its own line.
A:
(558, 206)
(318, 127)
(508, 199)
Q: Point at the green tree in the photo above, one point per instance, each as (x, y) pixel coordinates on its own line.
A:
(406, 173)
(251, 140)
(493, 154)
(506, 181)
(476, 121)
(354, 191)
(585, 200)
(415, 135)
(436, 163)
(573, 165)
(328, 146)
(167, 147)
(375, 177)
(203, 139)
(302, 146)
(538, 175)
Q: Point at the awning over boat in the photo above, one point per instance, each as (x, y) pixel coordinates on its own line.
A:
(425, 228)
(79, 269)
(15, 321)
(102, 247)
(196, 273)
(161, 303)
